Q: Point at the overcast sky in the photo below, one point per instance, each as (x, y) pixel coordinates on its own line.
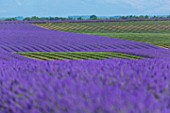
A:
(10, 8)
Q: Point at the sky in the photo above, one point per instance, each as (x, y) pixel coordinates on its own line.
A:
(64, 8)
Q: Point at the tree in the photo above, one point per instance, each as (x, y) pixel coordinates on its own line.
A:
(34, 18)
(147, 17)
(168, 16)
(79, 18)
(27, 19)
(51, 18)
(10, 19)
(155, 17)
(124, 17)
(93, 17)
(57, 18)
(141, 17)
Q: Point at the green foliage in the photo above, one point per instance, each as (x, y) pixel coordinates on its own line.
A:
(93, 17)
(10, 19)
(80, 18)
(77, 55)
(35, 18)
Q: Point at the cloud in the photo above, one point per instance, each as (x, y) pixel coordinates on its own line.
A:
(18, 2)
(161, 8)
(84, 7)
(145, 6)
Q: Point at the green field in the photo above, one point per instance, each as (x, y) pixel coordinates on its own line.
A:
(152, 32)
(77, 55)
(110, 27)
(158, 39)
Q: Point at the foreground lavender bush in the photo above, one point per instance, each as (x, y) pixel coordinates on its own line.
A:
(108, 86)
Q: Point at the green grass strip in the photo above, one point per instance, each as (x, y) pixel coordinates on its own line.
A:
(158, 39)
(77, 55)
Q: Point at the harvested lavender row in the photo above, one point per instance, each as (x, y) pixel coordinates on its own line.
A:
(108, 86)
(29, 38)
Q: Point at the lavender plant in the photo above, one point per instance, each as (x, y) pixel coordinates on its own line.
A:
(92, 86)
(87, 86)
(28, 38)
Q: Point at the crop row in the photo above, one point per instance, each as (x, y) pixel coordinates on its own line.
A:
(158, 39)
(166, 46)
(5, 56)
(80, 86)
(137, 27)
(28, 38)
(85, 21)
(34, 47)
(77, 55)
(131, 30)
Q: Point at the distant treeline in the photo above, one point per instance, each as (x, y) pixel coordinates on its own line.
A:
(92, 17)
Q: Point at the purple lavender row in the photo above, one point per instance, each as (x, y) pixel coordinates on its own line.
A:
(82, 21)
(29, 38)
(108, 86)
(5, 56)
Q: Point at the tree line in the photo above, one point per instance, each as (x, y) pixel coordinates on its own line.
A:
(92, 17)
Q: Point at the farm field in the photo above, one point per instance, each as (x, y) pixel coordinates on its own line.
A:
(158, 39)
(85, 67)
(152, 32)
(77, 55)
(110, 27)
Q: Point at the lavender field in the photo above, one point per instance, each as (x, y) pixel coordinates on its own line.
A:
(133, 78)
